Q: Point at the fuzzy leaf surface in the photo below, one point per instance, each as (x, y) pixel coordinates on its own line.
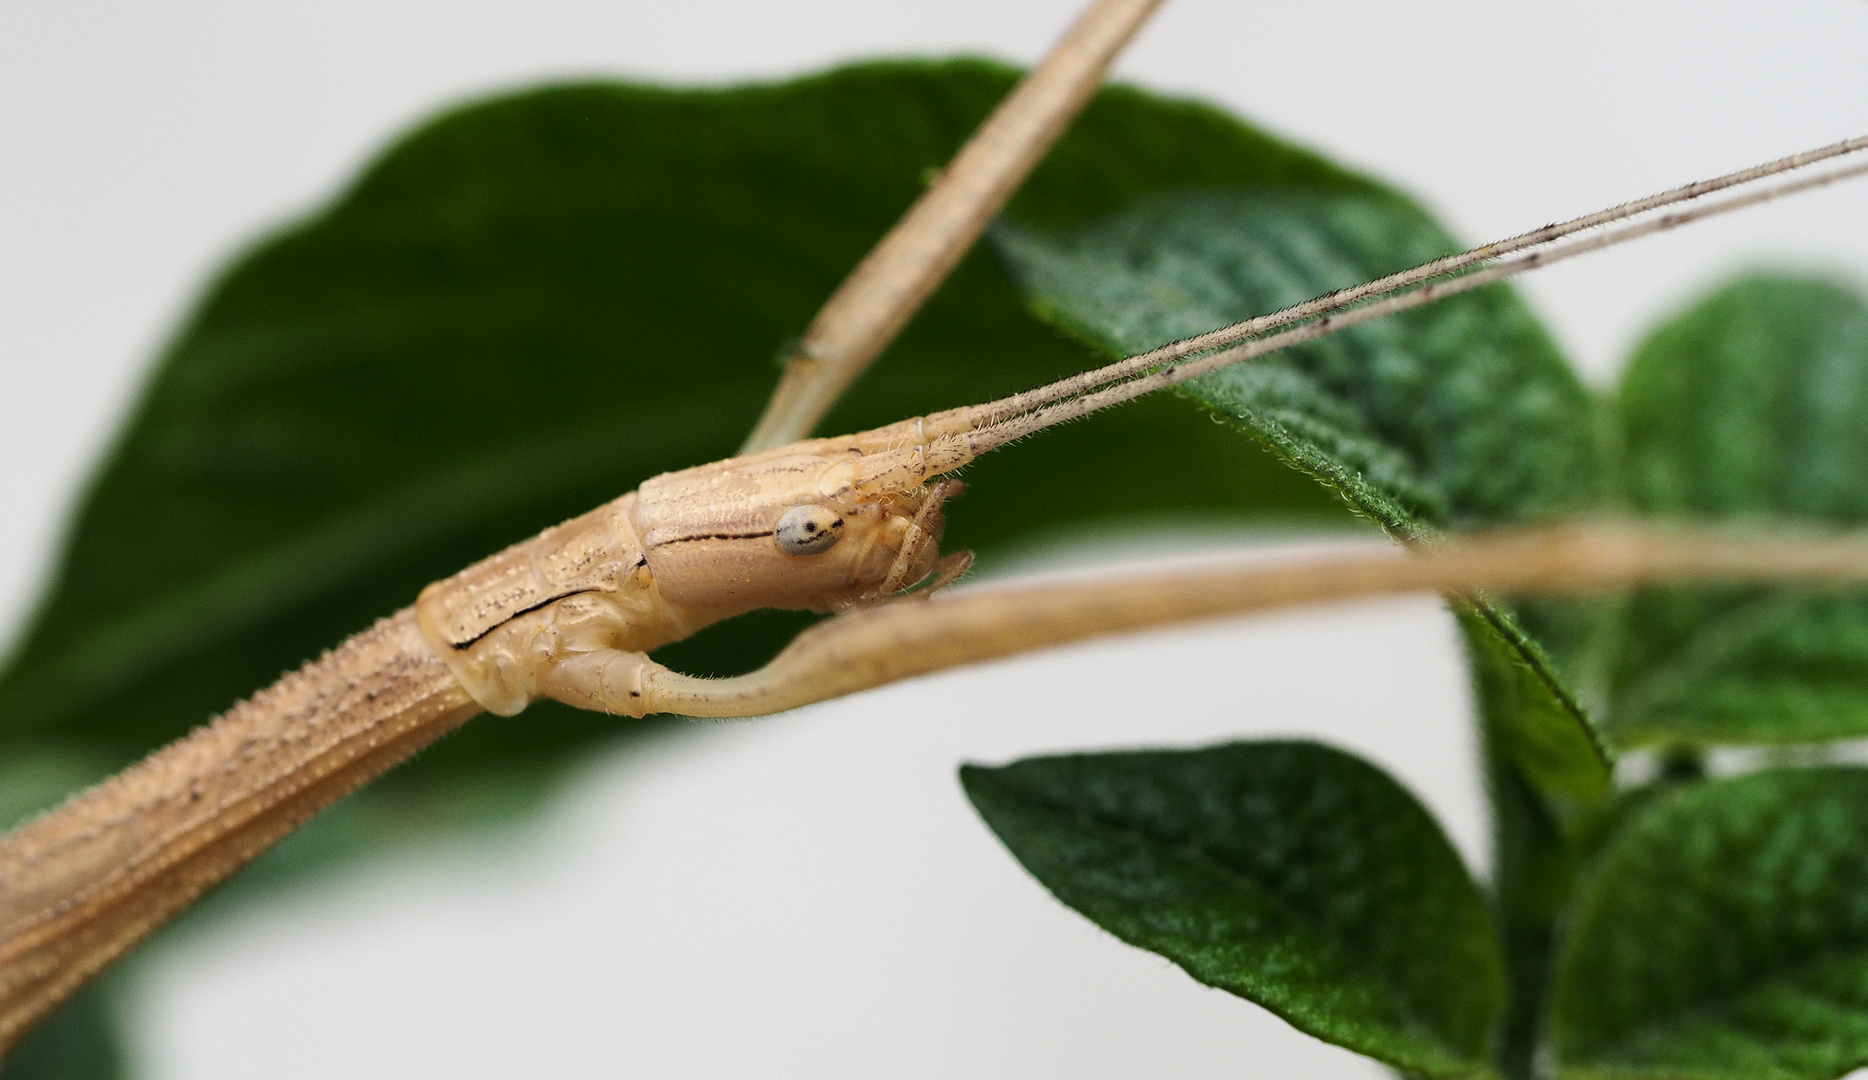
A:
(1750, 406)
(1289, 873)
(1723, 933)
(1458, 414)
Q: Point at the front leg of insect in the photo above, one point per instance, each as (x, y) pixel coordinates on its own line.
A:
(823, 525)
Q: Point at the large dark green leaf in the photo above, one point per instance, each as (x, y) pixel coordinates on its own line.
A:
(532, 304)
(1458, 414)
(1288, 873)
(1753, 404)
(1724, 934)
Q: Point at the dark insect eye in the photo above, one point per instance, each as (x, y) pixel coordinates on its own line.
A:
(807, 530)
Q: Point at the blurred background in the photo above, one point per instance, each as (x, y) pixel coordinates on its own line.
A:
(812, 895)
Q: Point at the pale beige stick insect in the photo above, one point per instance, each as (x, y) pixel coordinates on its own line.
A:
(824, 524)
(572, 614)
(84, 884)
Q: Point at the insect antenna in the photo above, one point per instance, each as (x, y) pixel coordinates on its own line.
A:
(993, 424)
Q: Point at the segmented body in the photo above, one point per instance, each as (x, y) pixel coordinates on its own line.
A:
(573, 613)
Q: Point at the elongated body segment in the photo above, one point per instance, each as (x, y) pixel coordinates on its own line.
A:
(84, 883)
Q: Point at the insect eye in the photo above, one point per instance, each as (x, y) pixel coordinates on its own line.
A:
(807, 530)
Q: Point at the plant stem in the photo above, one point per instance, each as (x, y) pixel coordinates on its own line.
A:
(1533, 871)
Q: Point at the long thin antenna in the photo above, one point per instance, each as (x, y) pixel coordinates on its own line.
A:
(995, 423)
(909, 263)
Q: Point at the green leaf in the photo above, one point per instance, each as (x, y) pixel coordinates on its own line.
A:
(1528, 711)
(1724, 933)
(1454, 415)
(80, 1041)
(1289, 873)
(33, 779)
(527, 307)
(1751, 405)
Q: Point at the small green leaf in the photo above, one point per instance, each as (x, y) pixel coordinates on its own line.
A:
(1458, 414)
(1529, 713)
(1724, 934)
(1288, 873)
(1751, 405)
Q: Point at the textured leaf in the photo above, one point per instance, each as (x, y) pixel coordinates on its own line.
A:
(1528, 711)
(1288, 873)
(1724, 933)
(529, 306)
(1458, 414)
(1753, 404)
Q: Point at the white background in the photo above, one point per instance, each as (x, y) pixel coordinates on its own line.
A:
(811, 895)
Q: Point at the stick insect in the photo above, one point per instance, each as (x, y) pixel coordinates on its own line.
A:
(839, 523)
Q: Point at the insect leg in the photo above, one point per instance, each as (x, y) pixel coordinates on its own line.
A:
(923, 530)
(909, 263)
(878, 645)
